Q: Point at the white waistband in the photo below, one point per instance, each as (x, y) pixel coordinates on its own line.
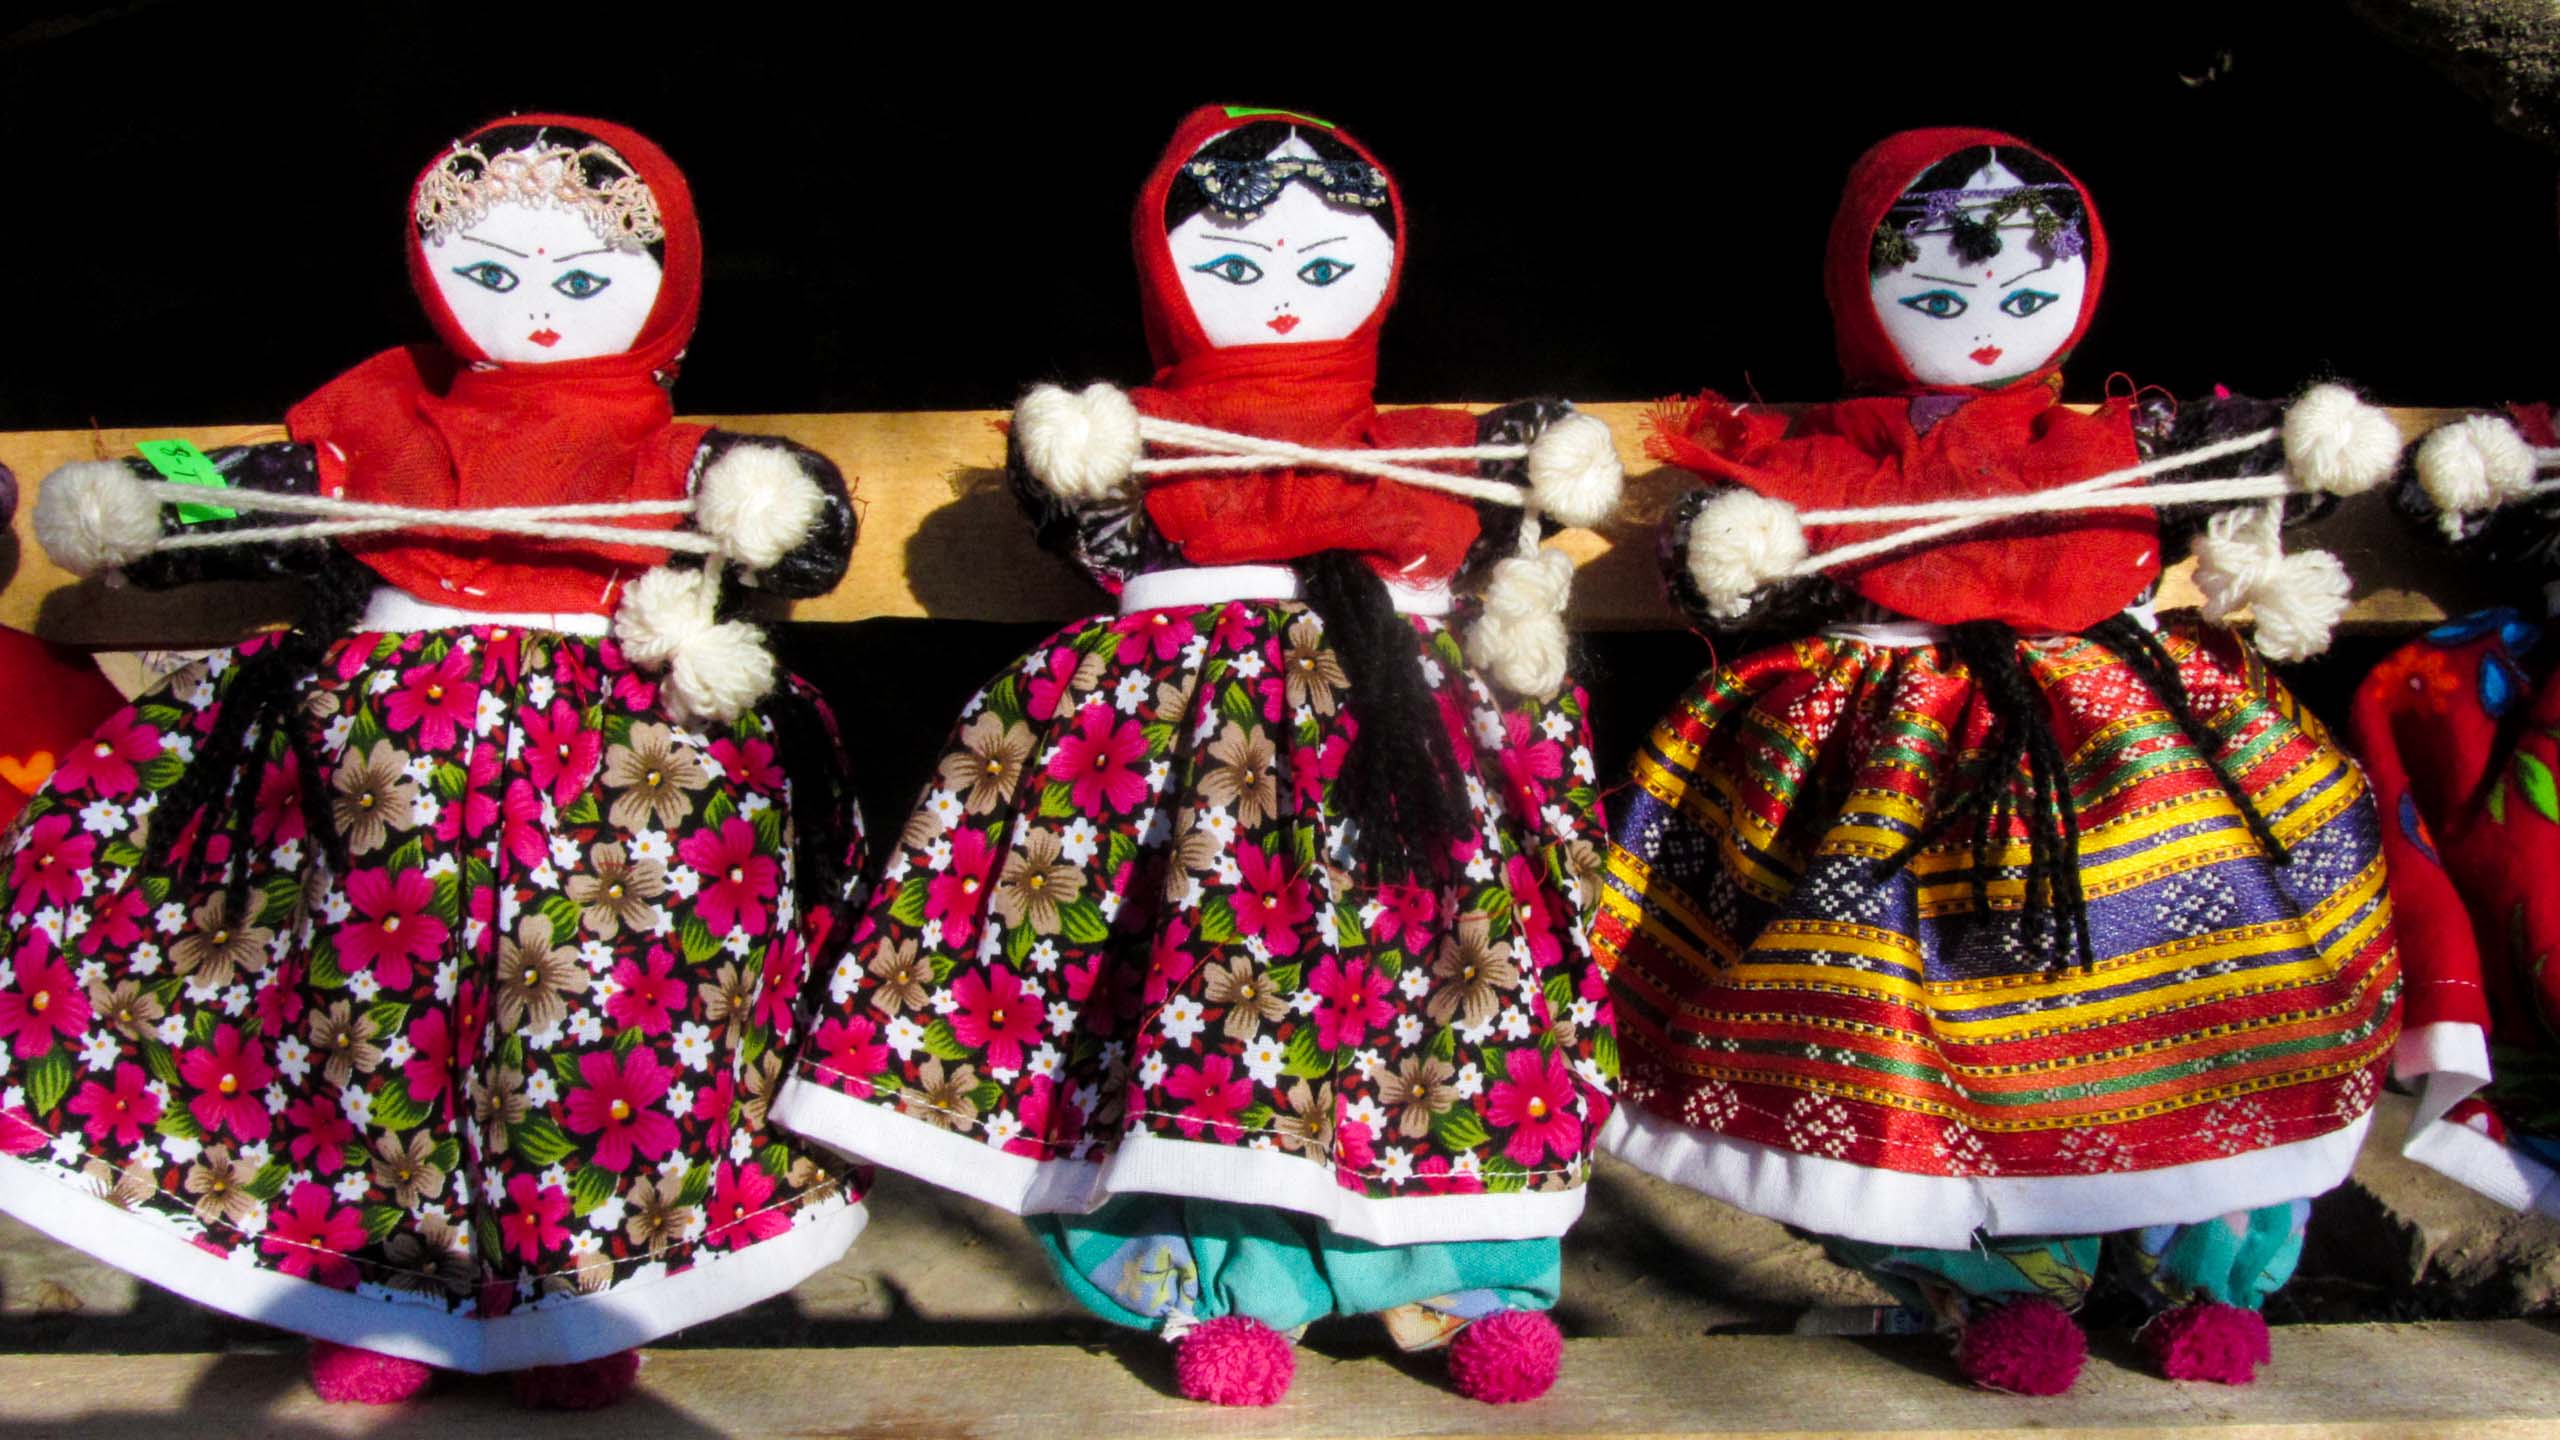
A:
(1217, 584)
(396, 611)
(1900, 634)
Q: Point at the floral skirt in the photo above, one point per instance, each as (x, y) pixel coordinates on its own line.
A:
(495, 1096)
(1817, 1034)
(1119, 947)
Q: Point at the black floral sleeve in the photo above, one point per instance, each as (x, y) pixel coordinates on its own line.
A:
(1804, 603)
(1109, 539)
(2163, 427)
(277, 467)
(817, 564)
(2520, 540)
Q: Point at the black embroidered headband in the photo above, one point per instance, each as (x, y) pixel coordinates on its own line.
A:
(1972, 218)
(1242, 189)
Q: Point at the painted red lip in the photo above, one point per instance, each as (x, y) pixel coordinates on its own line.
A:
(548, 338)
(1284, 323)
(1986, 355)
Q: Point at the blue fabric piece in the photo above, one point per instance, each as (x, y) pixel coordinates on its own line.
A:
(1145, 1261)
(2238, 1259)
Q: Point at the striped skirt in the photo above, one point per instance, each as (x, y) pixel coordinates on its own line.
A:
(1817, 1034)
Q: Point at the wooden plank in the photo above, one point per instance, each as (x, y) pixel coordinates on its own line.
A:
(2478, 1381)
(942, 538)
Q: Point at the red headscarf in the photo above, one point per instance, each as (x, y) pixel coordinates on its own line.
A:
(1917, 442)
(446, 427)
(1314, 393)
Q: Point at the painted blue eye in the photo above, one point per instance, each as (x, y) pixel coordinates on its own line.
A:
(1936, 304)
(2023, 303)
(580, 284)
(1234, 269)
(488, 274)
(1322, 271)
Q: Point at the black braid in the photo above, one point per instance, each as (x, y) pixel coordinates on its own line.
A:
(1399, 784)
(812, 759)
(2020, 738)
(2151, 662)
(261, 706)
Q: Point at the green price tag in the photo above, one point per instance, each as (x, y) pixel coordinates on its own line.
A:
(1249, 112)
(182, 462)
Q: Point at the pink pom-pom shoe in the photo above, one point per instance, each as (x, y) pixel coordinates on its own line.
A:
(345, 1375)
(1506, 1357)
(2025, 1347)
(587, 1385)
(1234, 1360)
(2207, 1340)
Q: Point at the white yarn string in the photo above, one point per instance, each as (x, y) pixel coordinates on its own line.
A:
(2115, 489)
(1968, 514)
(358, 517)
(1251, 452)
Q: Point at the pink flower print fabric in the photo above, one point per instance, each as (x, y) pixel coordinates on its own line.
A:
(513, 1064)
(1120, 946)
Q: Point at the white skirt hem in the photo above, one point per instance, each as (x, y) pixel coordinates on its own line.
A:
(1153, 1164)
(562, 1332)
(1946, 1212)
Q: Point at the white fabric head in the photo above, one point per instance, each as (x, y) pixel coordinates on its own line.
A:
(531, 284)
(1304, 269)
(1956, 322)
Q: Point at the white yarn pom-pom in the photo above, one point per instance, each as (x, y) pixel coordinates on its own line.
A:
(1574, 474)
(2338, 444)
(1519, 640)
(2477, 463)
(758, 501)
(1083, 444)
(2297, 599)
(92, 515)
(1740, 542)
(715, 670)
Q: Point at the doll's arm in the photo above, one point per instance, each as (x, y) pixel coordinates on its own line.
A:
(94, 516)
(2331, 441)
(1726, 551)
(1571, 473)
(781, 509)
(1071, 457)
(2471, 486)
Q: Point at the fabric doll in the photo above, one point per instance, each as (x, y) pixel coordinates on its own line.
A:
(57, 695)
(1994, 923)
(418, 980)
(1237, 938)
(2460, 730)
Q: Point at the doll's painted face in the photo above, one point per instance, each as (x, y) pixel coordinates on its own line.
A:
(1304, 269)
(1980, 322)
(532, 284)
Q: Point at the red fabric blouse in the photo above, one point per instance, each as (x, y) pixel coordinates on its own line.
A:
(1910, 441)
(446, 427)
(1313, 393)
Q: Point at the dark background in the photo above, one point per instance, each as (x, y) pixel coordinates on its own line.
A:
(927, 208)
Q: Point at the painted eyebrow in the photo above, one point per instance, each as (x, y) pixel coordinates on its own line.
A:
(583, 254)
(2023, 274)
(1942, 280)
(1237, 240)
(1317, 244)
(494, 245)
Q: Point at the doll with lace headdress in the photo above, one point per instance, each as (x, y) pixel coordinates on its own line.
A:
(417, 979)
(1996, 925)
(2460, 730)
(1238, 937)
